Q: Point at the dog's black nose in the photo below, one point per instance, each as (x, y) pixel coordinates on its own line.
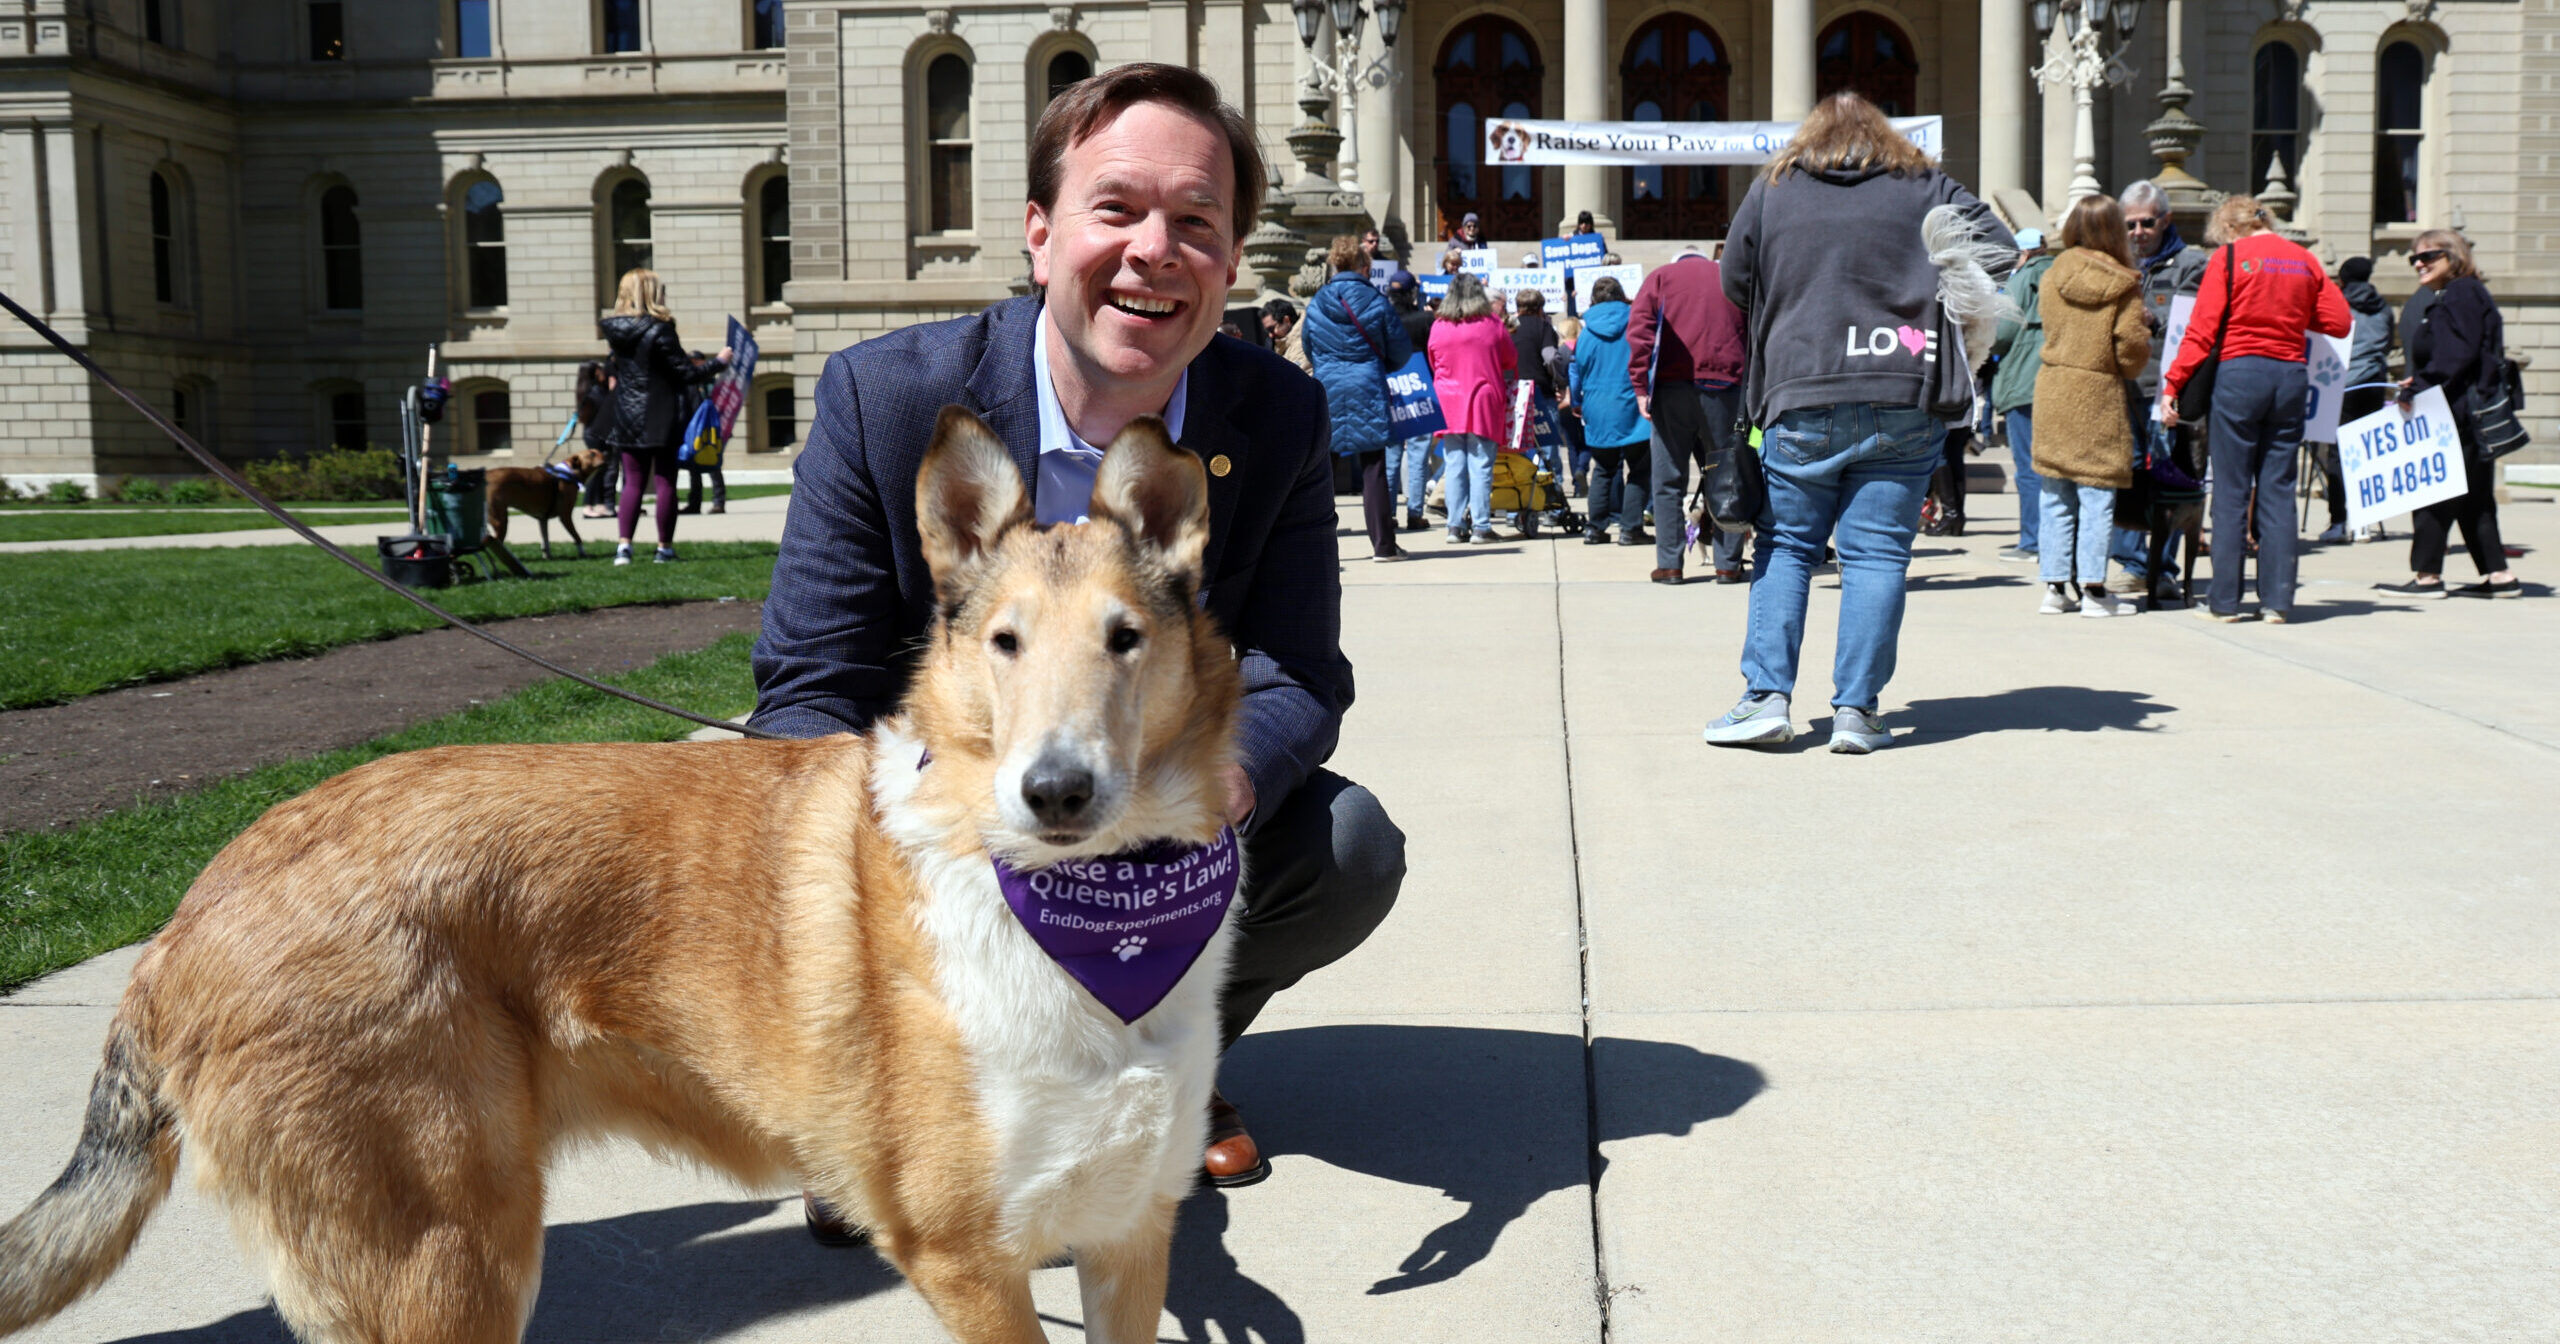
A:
(1057, 791)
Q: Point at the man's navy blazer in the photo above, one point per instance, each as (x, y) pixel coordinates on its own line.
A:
(852, 601)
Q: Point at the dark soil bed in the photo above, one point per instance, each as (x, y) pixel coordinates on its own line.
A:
(64, 764)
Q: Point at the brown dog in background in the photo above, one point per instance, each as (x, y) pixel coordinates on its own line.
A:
(543, 494)
(372, 1024)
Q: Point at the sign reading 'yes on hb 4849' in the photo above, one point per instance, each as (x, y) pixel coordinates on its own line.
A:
(2398, 459)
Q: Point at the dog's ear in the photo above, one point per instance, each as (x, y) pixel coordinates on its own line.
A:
(968, 493)
(1158, 489)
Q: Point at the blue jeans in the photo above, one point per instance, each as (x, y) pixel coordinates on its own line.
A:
(2077, 522)
(1470, 476)
(1860, 470)
(1408, 469)
(2256, 436)
(2022, 464)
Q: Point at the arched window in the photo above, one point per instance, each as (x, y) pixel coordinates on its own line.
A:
(1867, 53)
(949, 204)
(627, 226)
(341, 250)
(341, 411)
(1675, 70)
(1487, 62)
(2400, 127)
(167, 239)
(490, 419)
(781, 410)
(1067, 68)
(484, 245)
(2275, 118)
(773, 237)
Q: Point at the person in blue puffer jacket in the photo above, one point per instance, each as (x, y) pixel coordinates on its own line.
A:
(1615, 434)
(1355, 340)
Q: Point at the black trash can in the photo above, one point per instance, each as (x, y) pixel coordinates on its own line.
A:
(417, 560)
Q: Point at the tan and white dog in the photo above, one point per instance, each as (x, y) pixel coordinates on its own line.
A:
(374, 1021)
(543, 494)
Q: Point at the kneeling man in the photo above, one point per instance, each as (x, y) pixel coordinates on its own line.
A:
(1143, 185)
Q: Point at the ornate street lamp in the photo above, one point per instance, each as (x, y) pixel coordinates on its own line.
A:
(2087, 66)
(1345, 74)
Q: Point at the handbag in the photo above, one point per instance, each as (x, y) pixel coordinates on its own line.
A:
(2495, 430)
(2195, 400)
(1734, 484)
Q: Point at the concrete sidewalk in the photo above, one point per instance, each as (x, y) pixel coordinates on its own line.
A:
(2166, 980)
(758, 519)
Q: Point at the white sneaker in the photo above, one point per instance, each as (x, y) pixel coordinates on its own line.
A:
(2097, 605)
(622, 554)
(2057, 600)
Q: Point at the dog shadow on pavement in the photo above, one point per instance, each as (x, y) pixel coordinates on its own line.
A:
(2049, 709)
(1494, 1119)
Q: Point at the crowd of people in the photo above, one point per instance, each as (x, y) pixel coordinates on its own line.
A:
(2074, 374)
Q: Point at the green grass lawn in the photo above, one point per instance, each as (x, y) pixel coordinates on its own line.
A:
(67, 896)
(72, 524)
(73, 623)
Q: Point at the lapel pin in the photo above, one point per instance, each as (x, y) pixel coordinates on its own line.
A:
(1220, 466)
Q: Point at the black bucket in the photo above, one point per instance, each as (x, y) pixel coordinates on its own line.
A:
(417, 560)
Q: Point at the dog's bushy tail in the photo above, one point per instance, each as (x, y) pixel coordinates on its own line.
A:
(78, 1231)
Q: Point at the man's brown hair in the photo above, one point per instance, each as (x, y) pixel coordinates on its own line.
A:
(1091, 104)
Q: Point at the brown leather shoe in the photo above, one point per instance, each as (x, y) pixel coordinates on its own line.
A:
(1233, 1158)
(1666, 576)
(826, 1226)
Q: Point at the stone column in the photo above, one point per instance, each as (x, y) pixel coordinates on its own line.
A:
(1381, 177)
(2004, 97)
(1790, 59)
(2054, 187)
(1586, 98)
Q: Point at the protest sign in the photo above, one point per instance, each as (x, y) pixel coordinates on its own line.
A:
(1478, 261)
(1434, 286)
(2401, 458)
(2326, 358)
(1378, 273)
(1413, 406)
(1628, 277)
(1641, 143)
(2180, 309)
(1574, 251)
(1547, 280)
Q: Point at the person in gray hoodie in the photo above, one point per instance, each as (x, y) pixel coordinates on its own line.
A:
(1855, 368)
(2368, 362)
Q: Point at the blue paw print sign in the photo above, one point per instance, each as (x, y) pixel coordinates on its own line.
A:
(2401, 458)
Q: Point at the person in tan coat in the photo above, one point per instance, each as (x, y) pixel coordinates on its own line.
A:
(2094, 339)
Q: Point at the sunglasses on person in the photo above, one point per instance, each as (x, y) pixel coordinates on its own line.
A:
(2421, 260)
(2132, 222)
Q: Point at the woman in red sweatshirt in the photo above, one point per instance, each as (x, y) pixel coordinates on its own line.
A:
(2274, 292)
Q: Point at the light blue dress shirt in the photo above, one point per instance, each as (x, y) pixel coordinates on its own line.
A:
(1068, 463)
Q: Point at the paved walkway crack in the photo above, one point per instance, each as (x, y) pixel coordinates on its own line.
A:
(1582, 953)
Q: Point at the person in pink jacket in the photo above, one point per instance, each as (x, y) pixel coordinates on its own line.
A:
(1471, 367)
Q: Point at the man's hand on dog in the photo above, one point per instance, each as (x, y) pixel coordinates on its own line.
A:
(1239, 795)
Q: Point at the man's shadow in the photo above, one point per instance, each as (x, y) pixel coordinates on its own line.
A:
(1492, 1118)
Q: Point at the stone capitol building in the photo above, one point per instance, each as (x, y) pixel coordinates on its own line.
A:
(263, 213)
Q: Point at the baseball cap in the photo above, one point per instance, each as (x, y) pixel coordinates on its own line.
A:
(1401, 279)
(2030, 239)
(1470, 218)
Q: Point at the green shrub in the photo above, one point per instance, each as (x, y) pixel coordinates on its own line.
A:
(192, 491)
(141, 490)
(338, 474)
(66, 492)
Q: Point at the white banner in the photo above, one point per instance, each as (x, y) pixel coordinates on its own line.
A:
(1642, 143)
(1628, 277)
(1479, 262)
(2326, 357)
(2171, 336)
(2401, 458)
(1547, 280)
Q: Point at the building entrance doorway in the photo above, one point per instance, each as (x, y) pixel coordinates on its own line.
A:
(1675, 70)
(1488, 69)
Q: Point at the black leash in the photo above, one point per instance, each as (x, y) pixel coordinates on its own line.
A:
(249, 492)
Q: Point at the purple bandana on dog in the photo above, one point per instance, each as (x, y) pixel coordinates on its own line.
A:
(1127, 926)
